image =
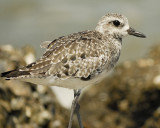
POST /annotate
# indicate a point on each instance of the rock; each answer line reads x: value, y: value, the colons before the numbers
x: 129, y: 98
x: 25, y: 105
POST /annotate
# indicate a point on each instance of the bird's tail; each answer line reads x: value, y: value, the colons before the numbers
x: 13, y: 74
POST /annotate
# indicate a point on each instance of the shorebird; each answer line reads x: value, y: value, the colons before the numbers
x: 78, y: 60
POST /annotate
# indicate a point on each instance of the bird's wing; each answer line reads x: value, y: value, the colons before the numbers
x: 77, y: 55
x: 45, y: 44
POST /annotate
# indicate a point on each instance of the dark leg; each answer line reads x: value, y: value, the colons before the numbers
x: 75, y: 109
x: 78, y: 115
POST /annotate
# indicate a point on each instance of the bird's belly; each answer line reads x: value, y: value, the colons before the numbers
x: 77, y: 83
x: 72, y: 82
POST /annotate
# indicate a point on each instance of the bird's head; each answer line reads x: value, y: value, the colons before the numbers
x: 116, y: 25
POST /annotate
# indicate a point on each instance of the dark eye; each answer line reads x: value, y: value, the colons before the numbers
x: 116, y: 23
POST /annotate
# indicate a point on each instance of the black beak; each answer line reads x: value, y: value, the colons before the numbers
x: 133, y: 32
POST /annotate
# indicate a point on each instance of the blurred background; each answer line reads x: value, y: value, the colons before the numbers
x: 30, y: 22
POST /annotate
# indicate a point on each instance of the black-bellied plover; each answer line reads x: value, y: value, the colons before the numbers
x: 78, y: 60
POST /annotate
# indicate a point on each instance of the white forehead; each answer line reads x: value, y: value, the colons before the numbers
x: 112, y: 17
x: 102, y: 27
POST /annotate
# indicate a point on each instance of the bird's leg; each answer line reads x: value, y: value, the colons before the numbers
x: 75, y: 109
x: 78, y: 115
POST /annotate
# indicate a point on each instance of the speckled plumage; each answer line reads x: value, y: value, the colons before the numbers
x: 79, y: 59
